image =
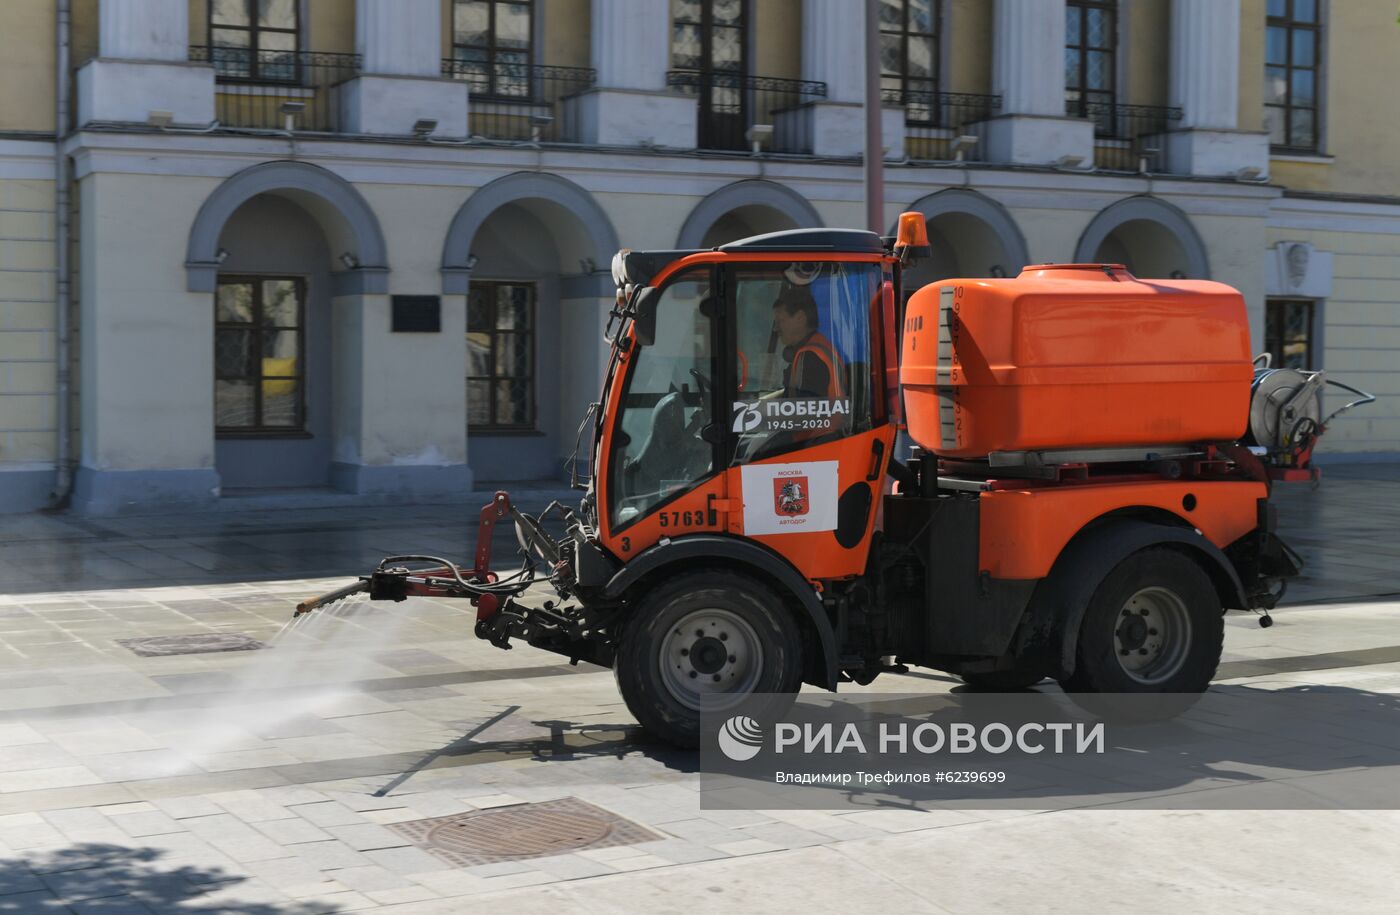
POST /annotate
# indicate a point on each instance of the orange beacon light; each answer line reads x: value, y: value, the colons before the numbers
x: 911, y: 238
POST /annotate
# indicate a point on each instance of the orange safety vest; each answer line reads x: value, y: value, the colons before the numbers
x: 819, y: 347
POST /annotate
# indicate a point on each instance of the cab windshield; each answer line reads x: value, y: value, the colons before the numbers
x: 657, y: 450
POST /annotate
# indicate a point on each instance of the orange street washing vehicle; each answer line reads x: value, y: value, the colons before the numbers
x: 1088, y: 494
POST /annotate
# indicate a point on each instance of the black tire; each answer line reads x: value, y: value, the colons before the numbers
x: 1123, y: 626
x: 1001, y: 681
x: 658, y: 699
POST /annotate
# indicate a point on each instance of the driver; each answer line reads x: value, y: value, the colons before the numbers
x: 813, y: 367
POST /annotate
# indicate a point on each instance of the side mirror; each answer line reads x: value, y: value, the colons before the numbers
x: 644, y: 314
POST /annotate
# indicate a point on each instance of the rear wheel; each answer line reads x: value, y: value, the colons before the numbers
x: 704, y: 641
x: 1154, y: 625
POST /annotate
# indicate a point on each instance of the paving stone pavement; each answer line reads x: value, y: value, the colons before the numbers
x: 266, y: 781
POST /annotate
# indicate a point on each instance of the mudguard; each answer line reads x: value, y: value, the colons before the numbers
x: 1051, y: 630
x: 743, y: 553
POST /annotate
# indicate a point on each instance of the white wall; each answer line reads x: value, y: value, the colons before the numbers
x: 413, y: 381
x: 147, y: 388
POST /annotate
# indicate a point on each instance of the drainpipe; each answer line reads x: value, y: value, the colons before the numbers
x: 63, y: 477
x: 874, y: 160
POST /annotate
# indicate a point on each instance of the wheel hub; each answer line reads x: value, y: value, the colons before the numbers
x: 708, y: 655
x: 1152, y: 635
x: 1133, y: 632
x: 710, y: 659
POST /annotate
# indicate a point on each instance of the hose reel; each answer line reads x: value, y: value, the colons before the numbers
x: 1285, y: 407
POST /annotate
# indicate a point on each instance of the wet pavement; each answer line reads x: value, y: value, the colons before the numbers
x: 64, y: 552
x: 269, y: 781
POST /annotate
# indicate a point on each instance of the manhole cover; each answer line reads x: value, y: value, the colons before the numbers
x: 522, y: 831
x: 202, y: 643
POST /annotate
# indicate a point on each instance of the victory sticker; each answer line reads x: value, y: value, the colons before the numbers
x: 786, y: 414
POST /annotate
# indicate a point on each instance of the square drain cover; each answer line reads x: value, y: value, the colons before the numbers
x: 201, y: 643
x: 522, y: 831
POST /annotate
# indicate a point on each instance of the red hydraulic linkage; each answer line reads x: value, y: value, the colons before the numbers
x: 398, y: 583
x: 498, y: 509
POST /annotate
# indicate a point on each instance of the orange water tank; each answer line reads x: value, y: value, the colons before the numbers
x: 1070, y: 356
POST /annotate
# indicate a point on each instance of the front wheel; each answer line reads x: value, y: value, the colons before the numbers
x: 704, y: 641
x: 1154, y: 625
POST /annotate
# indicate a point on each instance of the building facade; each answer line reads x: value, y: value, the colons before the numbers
x: 363, y: 245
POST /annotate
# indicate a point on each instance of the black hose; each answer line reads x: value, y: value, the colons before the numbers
x: 1365, y: 398
x: 507, y: 587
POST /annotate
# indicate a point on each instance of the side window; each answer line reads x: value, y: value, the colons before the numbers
x: 1288, y: 333
x: 710, y: 60
x: 259, y: 383
x: 500, y: 356
x: 491, y: 46
x: 802, y: 358
x: 1091, y: 40
x: 255, y: 39
x: 909, y: 57
x: 1292, y: 71
x: 668, y: 399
